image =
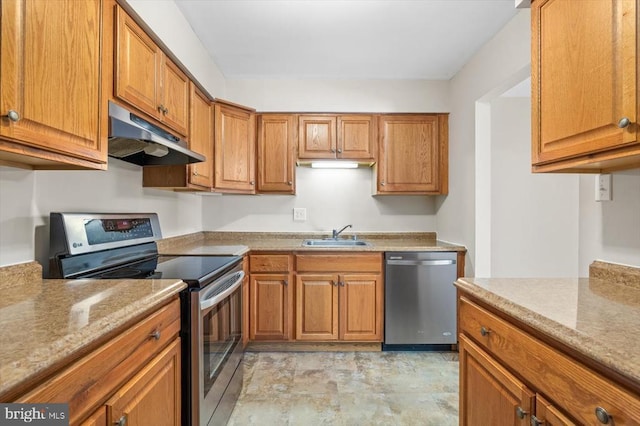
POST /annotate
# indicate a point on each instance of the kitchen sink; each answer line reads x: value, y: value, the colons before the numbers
x: 332, y: 242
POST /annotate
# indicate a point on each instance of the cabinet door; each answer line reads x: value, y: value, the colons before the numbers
x: 361, y: 307
x: 51, y: 75
x: 412, y: 154
x: 270, y: 305
x: 175, y: 97
x: 276, y: 153
x: 234, y: 149
x: 489, y: 394
x: 316, y: 307
x: 548, y: 415
x: 138, y: 65
x: 151, y: 397
x: 201, y: 138
x: 317, y: 136
x: 356, y: 137
x: 98, y: 418
x: 584, y: 65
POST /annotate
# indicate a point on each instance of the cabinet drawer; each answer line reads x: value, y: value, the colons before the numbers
x: 270, y: 263
x: 339, y: 263
x: 88, y: 382
x: 576, y: 389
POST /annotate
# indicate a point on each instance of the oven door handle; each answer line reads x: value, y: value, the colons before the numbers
x: 208, y: 300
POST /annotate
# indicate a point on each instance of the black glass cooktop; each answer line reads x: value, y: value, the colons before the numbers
x: 196, y: 271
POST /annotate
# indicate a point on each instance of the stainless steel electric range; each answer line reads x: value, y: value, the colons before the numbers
x: 112, y: 246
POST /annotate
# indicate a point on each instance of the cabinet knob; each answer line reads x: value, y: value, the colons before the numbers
x: 339, y: 151
x: 341, y: 283
x: 155, y: 335
x: 286, y: 282
x: 333, y: 150
x: 484, y: 331
x: 160, y: 108
x: 165, y: 111
x: 195, y: 173
x: 252, y: 183
x: 122, y: 421
x: 602, y: 415
x: 12, y: 115
x: 382, y: 183
x: 289, y: 183
x: 520, y: 412
x: 624, y: 122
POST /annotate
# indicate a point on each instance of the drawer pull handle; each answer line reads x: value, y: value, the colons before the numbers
x: 624, y: 122
x: 12, y: 115
x: 122, y: 421
x: 536, y: 421
x: 520, y: 412
x: 484, y: 331
x: 155, y: 335
x: 602, y: 415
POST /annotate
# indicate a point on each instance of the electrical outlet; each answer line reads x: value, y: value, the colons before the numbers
x: 299, y: 214
x: 603, y: 187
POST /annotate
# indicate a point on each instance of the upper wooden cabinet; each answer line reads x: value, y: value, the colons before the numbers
x: 413, y: 154
x: 235, y: 148
x: 195, y: 176
x: 50, y: 84
x: 147, y: 79
x: 326, y: 136
x: 276, y: 153
x: 584, y: 78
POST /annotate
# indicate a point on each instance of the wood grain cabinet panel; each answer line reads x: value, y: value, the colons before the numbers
x: 235, y: 150
x: 277, y: 138
x: 571, y: 389
x: 316, y: 307
x: 584, y: 70
x: 153, y: 396
x: 412, y: 154
x: 147, y: 79
x: 50, y: 84
x: 361, y: 307
x: 328, y: 136
x: 271, y: 299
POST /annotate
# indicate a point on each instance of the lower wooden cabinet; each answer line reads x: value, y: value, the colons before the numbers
x: 136, y: 374
x: 270, y: 297
x: 152, y: 397
x: 510, y: 377
x: 339, y: 297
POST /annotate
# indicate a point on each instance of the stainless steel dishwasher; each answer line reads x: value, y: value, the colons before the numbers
x: 420, y: 299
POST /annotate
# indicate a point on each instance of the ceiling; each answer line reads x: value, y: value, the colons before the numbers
x: 344, y: 39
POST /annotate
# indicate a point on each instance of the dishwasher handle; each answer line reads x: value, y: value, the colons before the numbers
x: 421, y: 262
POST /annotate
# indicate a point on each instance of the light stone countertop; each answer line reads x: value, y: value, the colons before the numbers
x: 598, y: 318
x: 233, y: 243
x: 45, y: 322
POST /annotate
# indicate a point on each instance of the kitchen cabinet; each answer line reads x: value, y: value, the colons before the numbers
x: 325, y: 136
x: 195, y: 176
x: 584, y: 78
x: 412, y: 154
x: 147, y: 79
x: 510, y: 376
x: 51, y: 103
x: 140, y: 366
x: 153, y: 395
x: 235, y: 148
x: 277, y: 140
x: 271, y: 297
x: 339, y: 297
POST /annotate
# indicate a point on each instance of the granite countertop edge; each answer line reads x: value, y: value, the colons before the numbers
x: 616, y: 360
x: 16, y: 373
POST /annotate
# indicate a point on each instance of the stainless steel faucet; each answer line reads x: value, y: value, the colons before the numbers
x: 335, y: 233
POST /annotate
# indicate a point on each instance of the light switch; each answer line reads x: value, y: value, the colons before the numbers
x: 603, y: 187
x: 299, y: 214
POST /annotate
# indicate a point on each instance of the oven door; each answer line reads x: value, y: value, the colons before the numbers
x: 217, y: 345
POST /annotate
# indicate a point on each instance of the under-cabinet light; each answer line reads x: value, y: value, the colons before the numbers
x: 334, y: 165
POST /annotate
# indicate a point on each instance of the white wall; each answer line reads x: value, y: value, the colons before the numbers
x: 493, y: 67
x: 17, y: 222
x: 534, y: 217
x: 610, y: 230
x: 333, y: 198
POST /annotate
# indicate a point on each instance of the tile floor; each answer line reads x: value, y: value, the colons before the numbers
x: 348, y: 388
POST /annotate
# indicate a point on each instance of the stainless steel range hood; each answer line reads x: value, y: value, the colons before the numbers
x: 137, y: 141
